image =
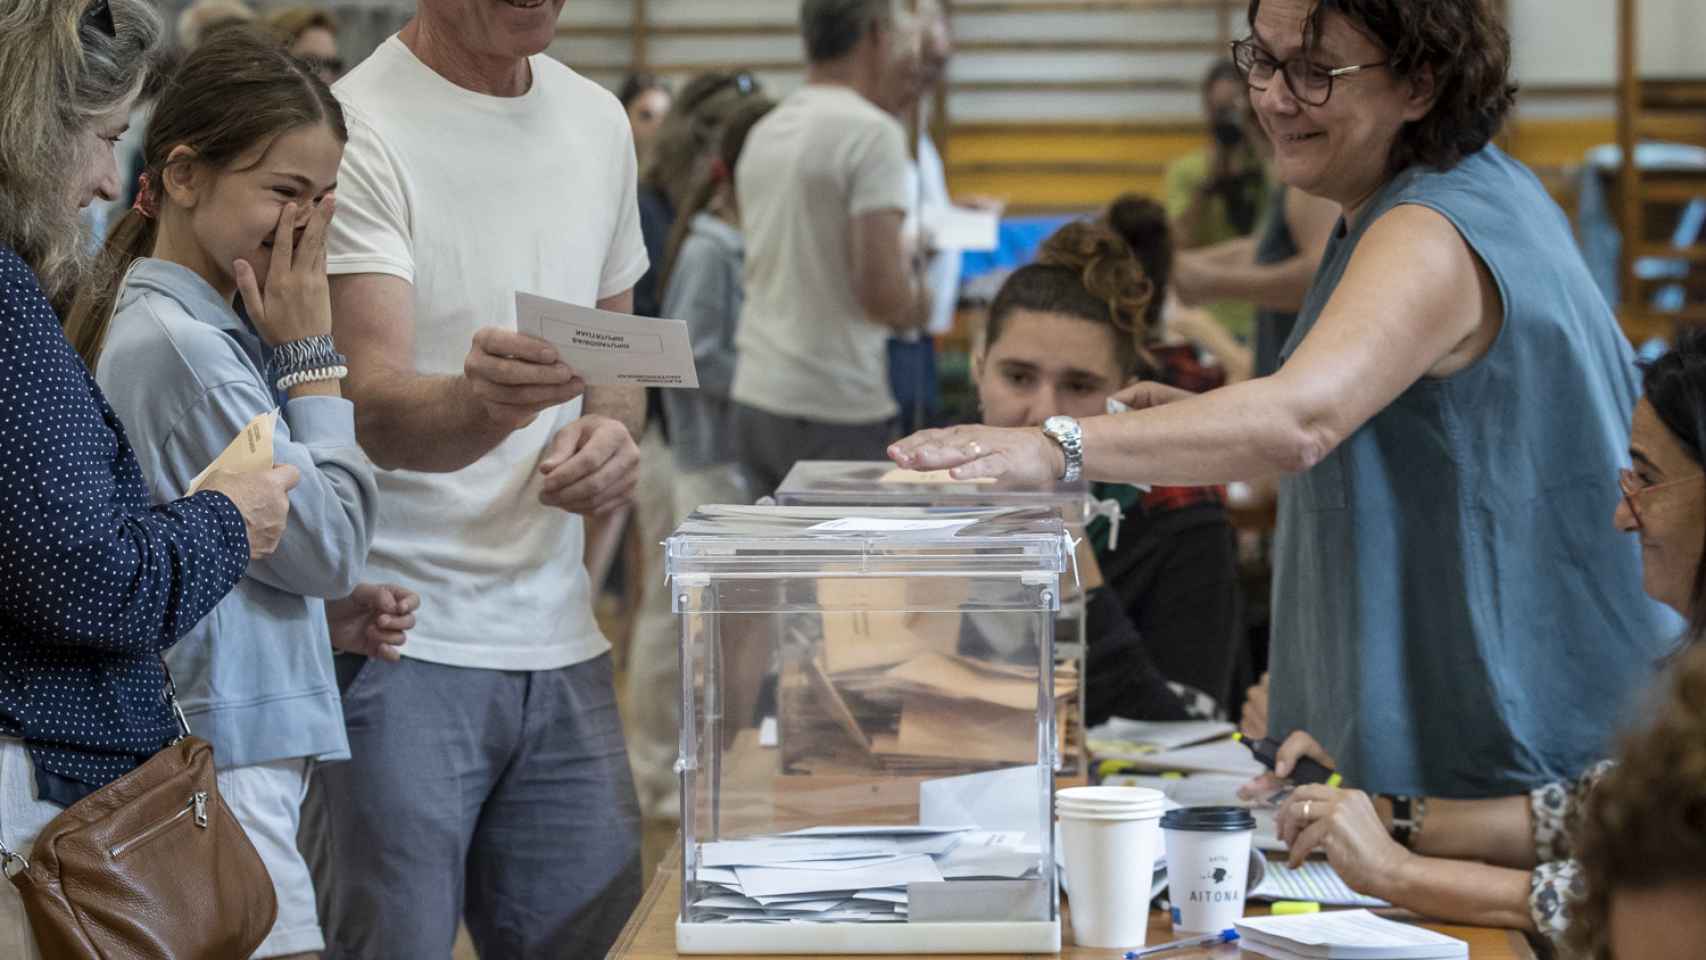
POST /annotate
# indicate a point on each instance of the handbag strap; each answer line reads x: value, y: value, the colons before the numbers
x: 172, y: 699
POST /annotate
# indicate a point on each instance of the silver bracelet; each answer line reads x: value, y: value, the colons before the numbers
x: 312, y: 376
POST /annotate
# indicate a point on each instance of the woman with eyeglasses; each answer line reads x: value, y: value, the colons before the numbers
x: 1413, y: 852
x: 1448, y: 419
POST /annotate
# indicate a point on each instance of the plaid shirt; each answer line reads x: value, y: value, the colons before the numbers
x: 1182, y: 368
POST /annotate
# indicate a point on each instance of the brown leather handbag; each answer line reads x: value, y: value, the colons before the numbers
x: 150, y: 866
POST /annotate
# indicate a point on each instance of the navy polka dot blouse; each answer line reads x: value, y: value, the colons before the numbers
x: 94, y: 583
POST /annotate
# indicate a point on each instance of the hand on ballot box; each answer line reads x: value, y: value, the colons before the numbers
x: 373, y: 621
x: 516, y: 377
x: 591, y: 467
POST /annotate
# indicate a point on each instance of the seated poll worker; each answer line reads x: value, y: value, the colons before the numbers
x: 1064, y: 333
x: 1643, y: 837
x: 1448, y: 419
x: 1421, y: 854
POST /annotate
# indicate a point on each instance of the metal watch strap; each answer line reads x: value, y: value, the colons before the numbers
x: 1065, y: 432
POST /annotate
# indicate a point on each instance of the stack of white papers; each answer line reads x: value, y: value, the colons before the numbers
x: 1316, y: 880
x: 1348, y: 935
x: 852, y: 874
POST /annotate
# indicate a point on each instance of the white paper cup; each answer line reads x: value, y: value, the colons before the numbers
x: 1208, y: 864
x: 1110, y: 863
x: 1109, y: 796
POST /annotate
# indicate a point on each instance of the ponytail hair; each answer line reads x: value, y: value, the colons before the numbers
x: 730, y: 145
x: 236, y: 91
x: 1087, y: 271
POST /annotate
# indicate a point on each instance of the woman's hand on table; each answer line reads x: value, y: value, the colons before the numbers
x: 1024, y: 455
x: 1345, y: 826
x: 1296, y: 747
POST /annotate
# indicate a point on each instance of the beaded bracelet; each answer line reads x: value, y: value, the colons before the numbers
x: 297, y: 356
x: 301, y: 377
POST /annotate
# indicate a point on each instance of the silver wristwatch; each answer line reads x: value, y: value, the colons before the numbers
x: 1065, y: 431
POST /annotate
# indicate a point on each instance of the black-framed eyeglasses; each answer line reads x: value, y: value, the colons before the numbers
x: 1309, y: 82
x: 99, y: 17
x: 1633, y: 490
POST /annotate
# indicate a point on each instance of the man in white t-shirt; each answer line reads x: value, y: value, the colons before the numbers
x: 823, y: 188
x: 489, y: 779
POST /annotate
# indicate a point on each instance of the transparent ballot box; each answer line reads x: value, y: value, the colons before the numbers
x: 870, y: 718
x: 857, y: 483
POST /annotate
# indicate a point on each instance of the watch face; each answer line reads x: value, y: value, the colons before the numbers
x: 1058, y: 424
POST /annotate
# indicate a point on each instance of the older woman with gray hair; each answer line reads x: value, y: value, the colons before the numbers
x: 94, y: 583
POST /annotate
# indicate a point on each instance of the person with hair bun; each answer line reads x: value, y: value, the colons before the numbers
x: 1447, y: 419
x: 1064, y: 335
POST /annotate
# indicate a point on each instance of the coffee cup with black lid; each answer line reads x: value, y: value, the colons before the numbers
x: 1208, y: 865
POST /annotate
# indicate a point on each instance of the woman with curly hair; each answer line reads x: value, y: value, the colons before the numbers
x: 1417, y: 853
x: 1452, y: 407
x: 1643, y: 843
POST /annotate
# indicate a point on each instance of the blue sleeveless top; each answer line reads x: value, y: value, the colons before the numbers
x: 1455, y: 614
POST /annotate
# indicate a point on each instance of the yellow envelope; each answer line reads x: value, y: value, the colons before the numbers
x: 250, y: 452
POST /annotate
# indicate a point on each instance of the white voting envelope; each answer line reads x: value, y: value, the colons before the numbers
x: 610, y: 349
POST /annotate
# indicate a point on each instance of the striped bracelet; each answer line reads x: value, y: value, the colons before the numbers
x: 312, y: 376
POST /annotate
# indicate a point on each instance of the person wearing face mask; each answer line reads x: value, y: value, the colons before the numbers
x: 1064, y: 334
x: 1447, y: 418
x: 1511, y: 861
x: 1218, y: 193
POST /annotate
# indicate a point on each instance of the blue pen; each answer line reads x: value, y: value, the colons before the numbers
x: 1209, y: 940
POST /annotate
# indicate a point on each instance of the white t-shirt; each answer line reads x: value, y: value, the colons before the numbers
x: 806, y: 348
x: 471, y: 198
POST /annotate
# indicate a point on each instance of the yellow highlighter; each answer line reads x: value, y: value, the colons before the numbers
x: 1291, y: 908
x: 1307, y: 770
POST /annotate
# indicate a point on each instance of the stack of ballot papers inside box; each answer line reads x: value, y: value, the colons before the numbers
x: 850, y: 874
x: 1346, y: 934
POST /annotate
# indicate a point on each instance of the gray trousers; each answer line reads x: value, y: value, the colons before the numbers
x: 501, y: 797
x: 768, y: 446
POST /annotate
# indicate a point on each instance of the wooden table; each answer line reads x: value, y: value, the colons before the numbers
x: 650, y: 933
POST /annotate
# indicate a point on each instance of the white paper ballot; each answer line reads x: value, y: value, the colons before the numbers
x: 771, y: 881
x: 963, y: 228
x: 610, y: 349
x: 1346, y: 934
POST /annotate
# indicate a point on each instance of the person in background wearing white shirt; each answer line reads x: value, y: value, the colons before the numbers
x: 912, y: 356
x: 489, y: 779
x: 824, y: 193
